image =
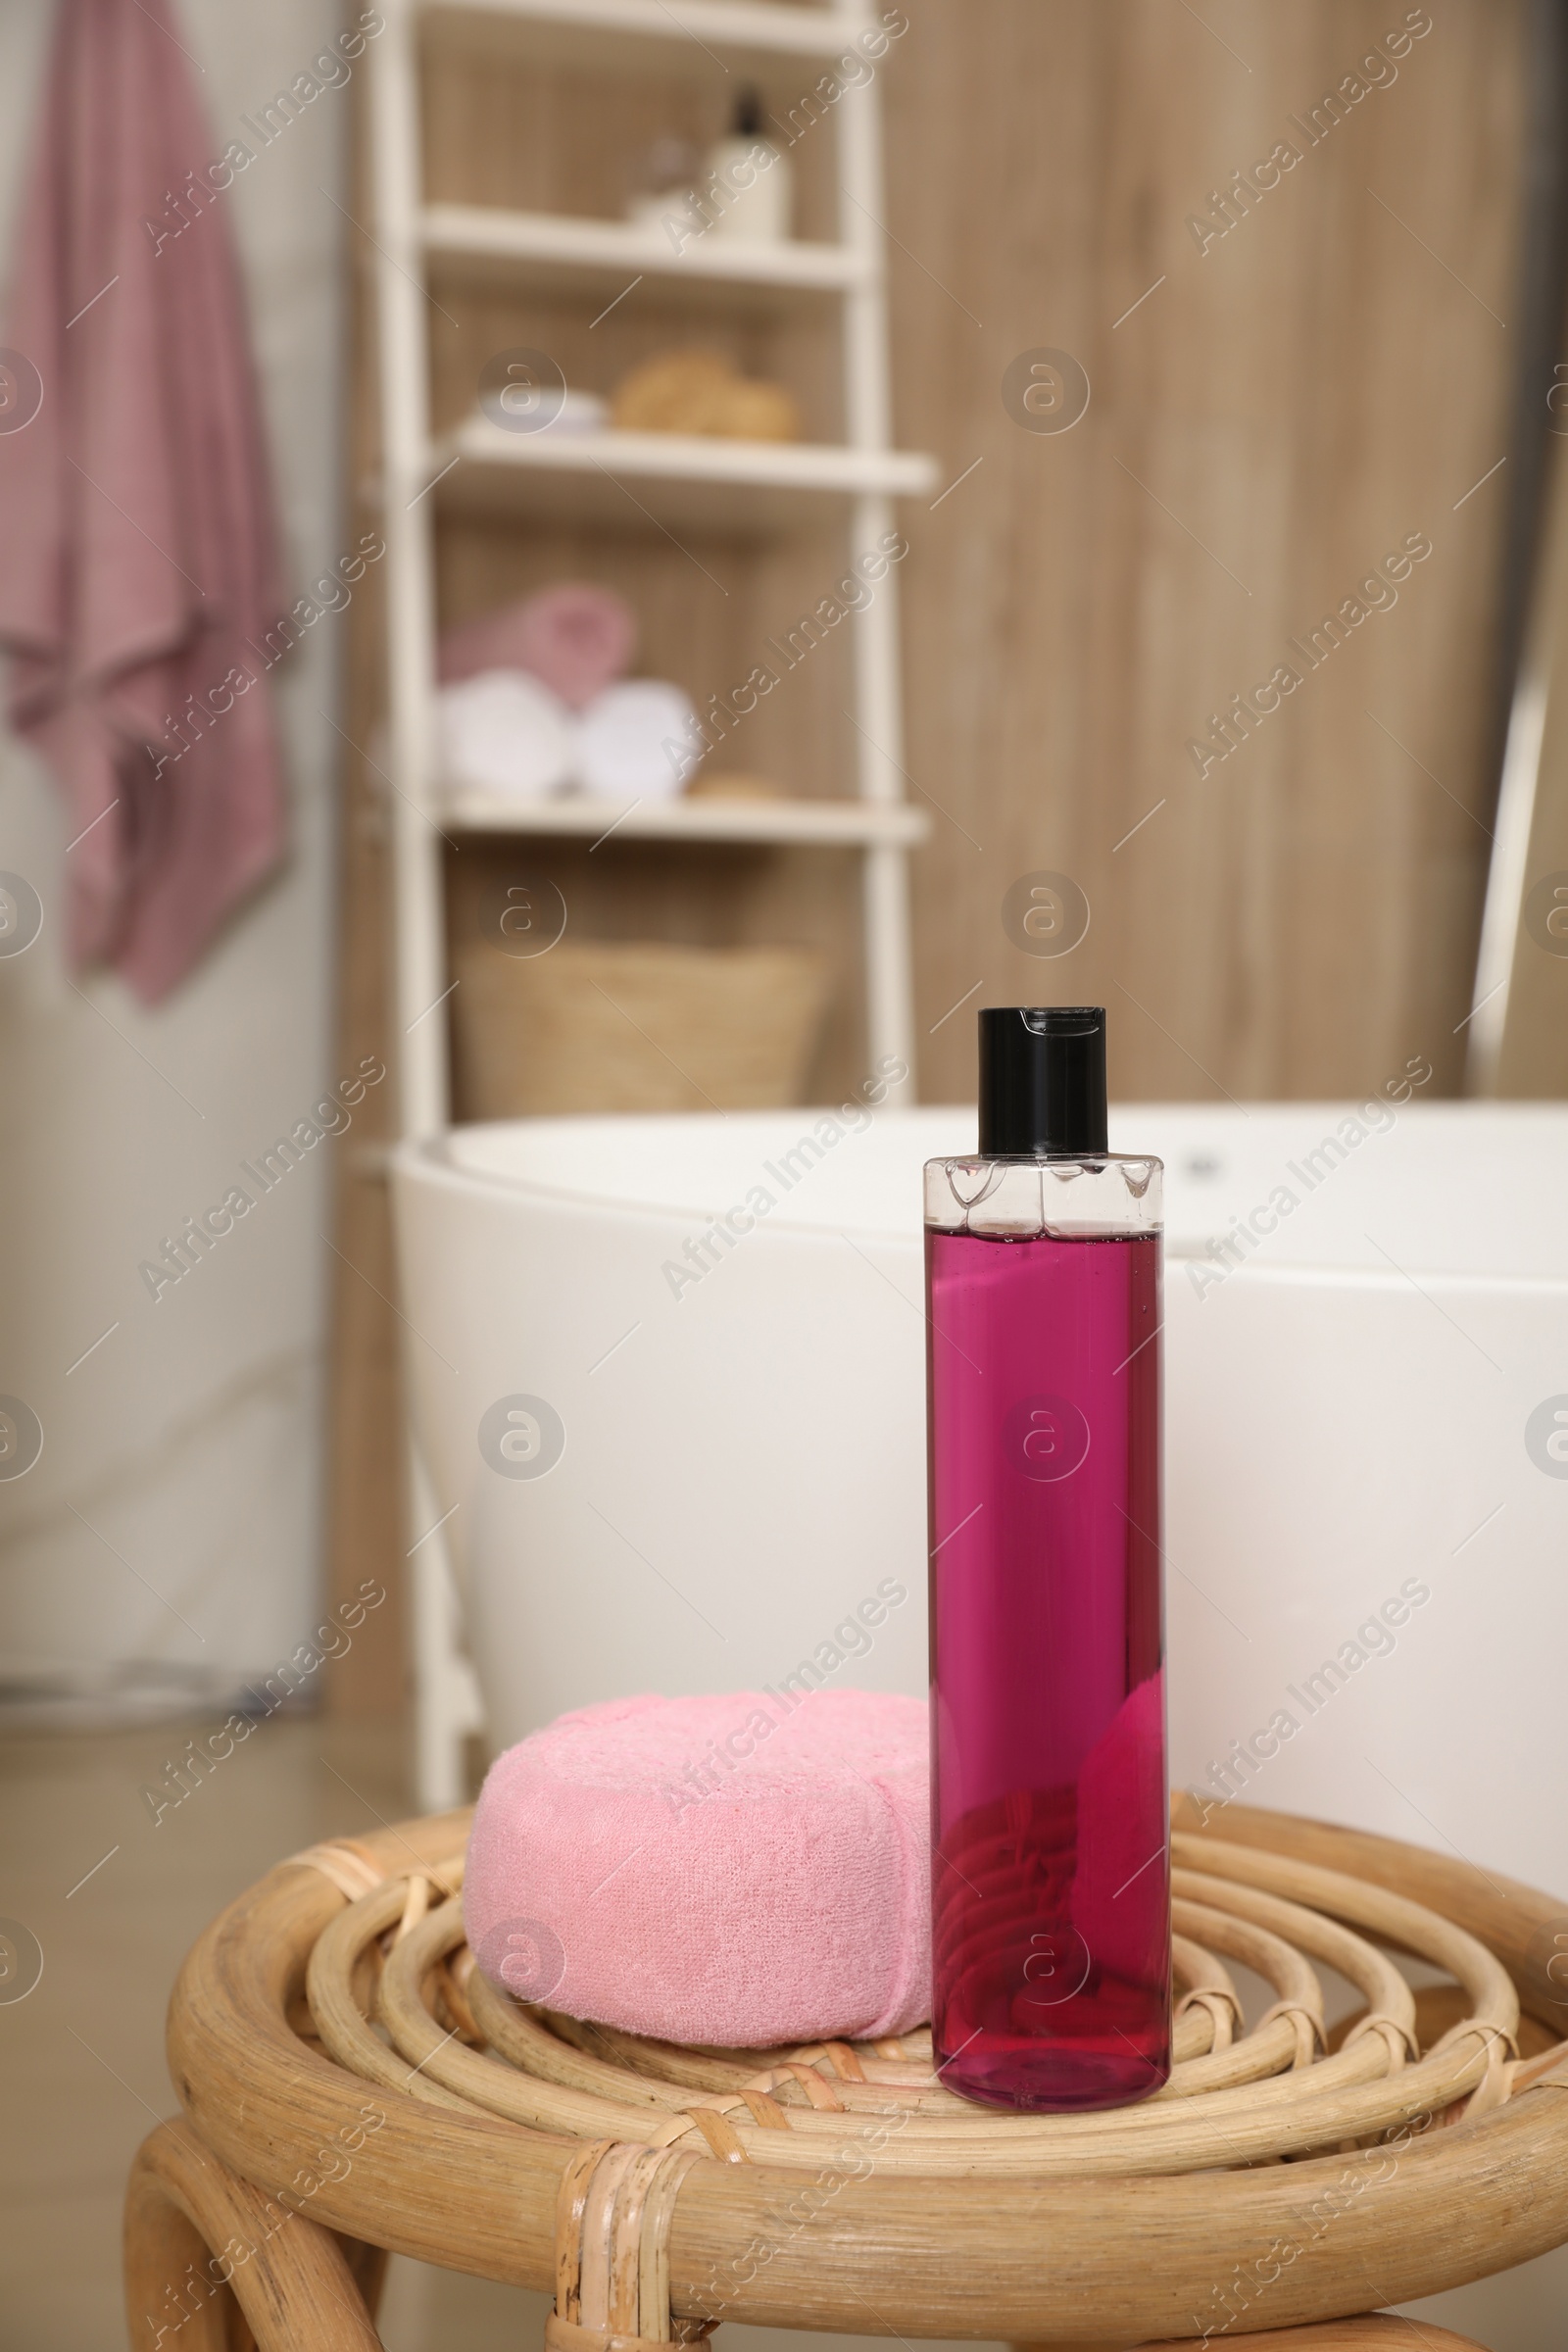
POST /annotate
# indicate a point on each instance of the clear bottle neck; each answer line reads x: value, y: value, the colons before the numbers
x: 1104, y: 1198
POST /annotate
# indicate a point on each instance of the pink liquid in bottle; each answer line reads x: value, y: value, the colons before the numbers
x: 1050, y: 1824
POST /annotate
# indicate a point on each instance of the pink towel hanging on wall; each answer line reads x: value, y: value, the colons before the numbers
x: 139, y: 561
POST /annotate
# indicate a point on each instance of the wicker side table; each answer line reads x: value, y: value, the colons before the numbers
x: 1287, y: 2180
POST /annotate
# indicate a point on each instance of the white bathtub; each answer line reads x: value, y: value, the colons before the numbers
x: 743, y: 1461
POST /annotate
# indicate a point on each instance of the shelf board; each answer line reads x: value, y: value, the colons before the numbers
x: 698, y: 36
x: 583, y: 257
x: 635, y: 481
x: 798, y: 823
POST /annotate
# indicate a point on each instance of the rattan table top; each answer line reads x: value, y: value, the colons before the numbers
x: 334, y: 2042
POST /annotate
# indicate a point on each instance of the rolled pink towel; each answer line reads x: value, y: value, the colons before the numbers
x: 744, y: 1870
x: 578, y: 639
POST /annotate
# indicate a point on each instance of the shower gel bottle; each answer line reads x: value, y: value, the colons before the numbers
x: 1051, y: 1882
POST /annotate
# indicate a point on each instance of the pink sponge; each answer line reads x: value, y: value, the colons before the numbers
x: 742, y: 1870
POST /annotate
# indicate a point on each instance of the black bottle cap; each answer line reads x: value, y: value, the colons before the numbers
x: 1042, y: 1080
x: 748, y: 112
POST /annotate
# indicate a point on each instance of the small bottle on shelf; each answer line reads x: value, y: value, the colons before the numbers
x: 748, y: 189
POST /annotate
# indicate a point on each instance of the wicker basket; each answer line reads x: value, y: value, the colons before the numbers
x: 602, y: 1025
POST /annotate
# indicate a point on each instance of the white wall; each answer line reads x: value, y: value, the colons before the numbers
x: 191, y: 1438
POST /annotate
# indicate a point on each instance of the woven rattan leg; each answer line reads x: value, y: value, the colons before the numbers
x: 214, y: 2266
x: 613, y: 2218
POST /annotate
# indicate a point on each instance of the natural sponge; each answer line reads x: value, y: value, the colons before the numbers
x: 742, y: 1870
x: 701, y: 392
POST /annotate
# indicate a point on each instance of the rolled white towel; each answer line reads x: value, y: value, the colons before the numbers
x: 635, y: 740
x: 503, y: 733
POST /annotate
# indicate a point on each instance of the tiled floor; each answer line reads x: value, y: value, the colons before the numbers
x: 115, y: 1902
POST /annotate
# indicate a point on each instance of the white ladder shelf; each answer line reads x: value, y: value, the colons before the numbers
x: 765, y: 485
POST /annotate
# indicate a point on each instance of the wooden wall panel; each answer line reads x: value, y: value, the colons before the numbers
x: 1268, y: 421
x: 1282, y: 410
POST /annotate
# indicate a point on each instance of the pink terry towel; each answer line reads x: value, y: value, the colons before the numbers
x: 576, y: 639
x: 745, y: 1870
x: 140, y: 570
